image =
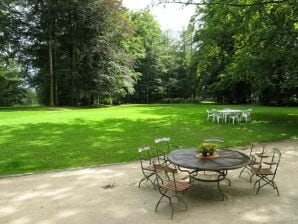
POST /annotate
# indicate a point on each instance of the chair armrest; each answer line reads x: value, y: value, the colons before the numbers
x: 176, y: 146
x: 262, y: 155
x: 268, y: 163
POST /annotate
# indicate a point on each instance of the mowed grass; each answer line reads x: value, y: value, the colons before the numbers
x: 39, y: 139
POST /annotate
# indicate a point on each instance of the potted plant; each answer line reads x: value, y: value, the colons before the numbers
x: 206, y: 148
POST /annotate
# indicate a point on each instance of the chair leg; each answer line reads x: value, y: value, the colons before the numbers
x: 218, y: 186
x: 171, y: 208
x: 260, y: 186
x: 248, y: 171
x: 144, y: 178
x: 250, y: 177
x: 147, y: 178
x: 272, y: 183
x: 242, y: 171
x: 180, y: 199
x: 257, y: 181
x: 158, y: 203
x: 276, y: 188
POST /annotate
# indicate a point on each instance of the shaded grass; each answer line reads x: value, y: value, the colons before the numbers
x: 38, y: 139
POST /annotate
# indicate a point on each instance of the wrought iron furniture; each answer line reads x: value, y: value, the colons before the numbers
x: 146, y: 165
x: 266, y: 171
x: 227, y: 160
x: 170, y: 184
x: 214, y: 139
x: 257, y: 150
x: 163, y: 147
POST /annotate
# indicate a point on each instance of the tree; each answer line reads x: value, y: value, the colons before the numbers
x: 246, y: 54
x: 11, y: 90
x: 75, y: 49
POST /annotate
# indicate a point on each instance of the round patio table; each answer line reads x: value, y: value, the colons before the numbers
x: 226, y: 160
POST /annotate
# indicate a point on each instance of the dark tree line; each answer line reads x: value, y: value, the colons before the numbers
x: 248, y: 54
x: 73, y: 51
x: 95, y: 51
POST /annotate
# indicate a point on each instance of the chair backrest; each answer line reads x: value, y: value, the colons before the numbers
x: 216, y: 112
x: 246, y: 112
x: 276, y: 155
x: 162, y: 147
x: 167, y: 170
x: 214, y: 139
x: 257, y: 147
x: 257, y: 150
x: 164, y: 139
x: 144, y: 155
x: 209, y: 112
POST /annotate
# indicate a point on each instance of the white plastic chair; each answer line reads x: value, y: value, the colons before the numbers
x: 226, y: 114
x: 246, y: 115
x: 210, y: 115
x: 235, y: 116
x: 218, y: 116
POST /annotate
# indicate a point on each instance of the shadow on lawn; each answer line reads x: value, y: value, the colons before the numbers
x: 45, y: 146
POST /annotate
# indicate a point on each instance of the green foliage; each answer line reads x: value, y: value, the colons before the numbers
x: 95, y: 51
x: 207, y: 148
x: 11, y: 91
x: 160, y: 65
x: 74, y: 50
x: 37, y: 139
x: 247, y: 54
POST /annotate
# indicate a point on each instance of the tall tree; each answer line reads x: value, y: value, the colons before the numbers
x: 246, y: 54
x: 74, y: 49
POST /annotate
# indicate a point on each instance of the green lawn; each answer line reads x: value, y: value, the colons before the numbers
x: 38, y: 139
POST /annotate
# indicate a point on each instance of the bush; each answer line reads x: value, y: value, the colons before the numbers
x: 180, y: 100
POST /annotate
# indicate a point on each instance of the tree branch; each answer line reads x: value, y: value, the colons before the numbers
x: 210, y: 2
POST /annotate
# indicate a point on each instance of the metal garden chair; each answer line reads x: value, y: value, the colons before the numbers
x: 214, y: 140
x: 256, y: 154
x: 146, y: 165
x: 169, y: 187
x: 266, y: 171
x: 163, y: 147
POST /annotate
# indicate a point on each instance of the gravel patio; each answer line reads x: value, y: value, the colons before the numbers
x: 110, y: 194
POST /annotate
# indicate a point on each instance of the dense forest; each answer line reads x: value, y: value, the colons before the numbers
x: 93, y: 52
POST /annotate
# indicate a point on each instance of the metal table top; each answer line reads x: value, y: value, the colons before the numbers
x: 227, y: 160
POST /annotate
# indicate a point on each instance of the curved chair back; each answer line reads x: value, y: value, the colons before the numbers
x: 214, y: 139
x: 162, y: 147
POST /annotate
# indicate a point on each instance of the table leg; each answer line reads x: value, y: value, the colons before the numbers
x: 221, y: 176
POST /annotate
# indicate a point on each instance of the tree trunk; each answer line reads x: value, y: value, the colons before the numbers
x: 73, y: 53
x: 50, y: 49
x: 56, y: 97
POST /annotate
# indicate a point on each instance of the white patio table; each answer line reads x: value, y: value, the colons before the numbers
x: 226, y: 112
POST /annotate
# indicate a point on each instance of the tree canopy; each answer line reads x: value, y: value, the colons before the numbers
x: 95, y: 51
